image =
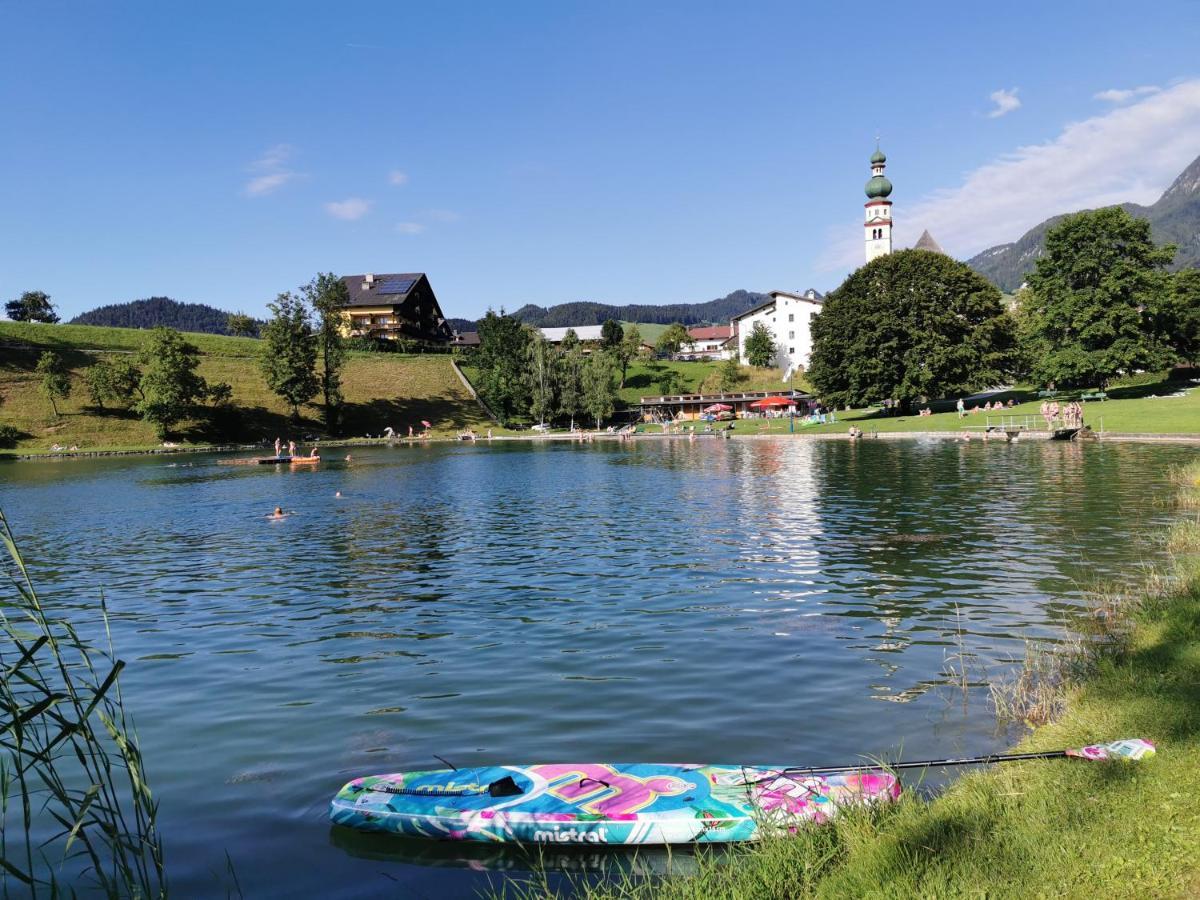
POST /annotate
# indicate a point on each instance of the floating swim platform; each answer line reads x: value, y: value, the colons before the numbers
x: 603, y: 803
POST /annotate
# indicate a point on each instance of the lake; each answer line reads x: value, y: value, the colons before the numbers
x: 746, y: 601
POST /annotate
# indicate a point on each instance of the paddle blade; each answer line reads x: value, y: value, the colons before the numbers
x: 1130, y: 748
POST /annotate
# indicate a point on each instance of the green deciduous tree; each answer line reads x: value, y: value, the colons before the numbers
x: 760, y: 346
x: 55, y: 378
x: 611, y: 334
x: 289, y: 359
x: 908, y: 325
x: 628, y: 349
x: 240, y: 324
x: 503, y: 383
x: 1182, y: 315
x: 113, y: 381
x: 731, y: 374
x: 31, y: 306
x: 170, y: 386
x: 571, y: 364
x: 329, y: 298
x: 541, y: 360
x: 671, y: 340
x: 1096, y: 301
x: 599, y: 389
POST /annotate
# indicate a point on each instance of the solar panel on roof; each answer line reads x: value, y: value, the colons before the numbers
x: 396, y: 286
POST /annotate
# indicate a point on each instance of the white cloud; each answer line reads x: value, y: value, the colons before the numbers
x: 1006, y: 102
x: 349, y: 209
x: 265, y: 184
x: 1117, y: 95
x: 397, y: 177
x: 410, y: 227
x: 1131, y: 153
x: 273, y: 166
x: 274, y: 158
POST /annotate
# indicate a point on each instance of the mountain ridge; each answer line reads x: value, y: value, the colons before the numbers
x: 1174, y: 219
x: 154, y: 311
x: 566, y: 315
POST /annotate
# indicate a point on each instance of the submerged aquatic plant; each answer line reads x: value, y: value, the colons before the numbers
x: 75, y: 808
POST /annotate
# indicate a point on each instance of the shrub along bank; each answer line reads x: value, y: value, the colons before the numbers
x: 1036, y: 829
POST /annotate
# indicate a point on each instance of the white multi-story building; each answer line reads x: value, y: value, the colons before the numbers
x: 788, y: 317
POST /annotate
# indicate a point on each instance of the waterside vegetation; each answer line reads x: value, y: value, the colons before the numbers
x: 76, y: 809
x: 1035, y: 829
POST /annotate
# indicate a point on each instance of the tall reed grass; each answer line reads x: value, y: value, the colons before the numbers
x: 76, y: 812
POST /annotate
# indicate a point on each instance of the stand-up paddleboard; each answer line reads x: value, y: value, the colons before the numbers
x: 602, y: 803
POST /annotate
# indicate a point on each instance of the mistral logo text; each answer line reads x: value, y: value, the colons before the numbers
x: 571, y: 836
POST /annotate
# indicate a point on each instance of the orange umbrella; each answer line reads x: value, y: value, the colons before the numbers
x: 767, y: 402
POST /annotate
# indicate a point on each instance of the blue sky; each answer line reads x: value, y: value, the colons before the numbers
x: 517, y: 152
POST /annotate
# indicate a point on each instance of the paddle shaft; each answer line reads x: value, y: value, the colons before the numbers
x: 929, y: 763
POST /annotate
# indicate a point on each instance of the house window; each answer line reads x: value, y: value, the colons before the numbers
x: 791, y: 317
x: 791, y: 335
x: 791, y: 351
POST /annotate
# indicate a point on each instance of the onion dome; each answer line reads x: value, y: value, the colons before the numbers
x: 878, y: 187
x: 877, y: 158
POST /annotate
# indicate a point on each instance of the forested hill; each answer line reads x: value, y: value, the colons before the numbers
x: 565, y: 315
x: 156, y: 311
x: 1174, y: 219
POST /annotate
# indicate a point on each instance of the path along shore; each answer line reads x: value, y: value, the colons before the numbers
x: 960, y: 436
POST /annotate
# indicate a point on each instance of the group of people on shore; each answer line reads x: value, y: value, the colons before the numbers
x: 997, y: 406
x: 1070, y: 414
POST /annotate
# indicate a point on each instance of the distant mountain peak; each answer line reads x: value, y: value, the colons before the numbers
x: 1186, y: 185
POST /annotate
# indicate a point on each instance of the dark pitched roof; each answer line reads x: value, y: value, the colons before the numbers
x: 411, y: 298
x: 374, y: 295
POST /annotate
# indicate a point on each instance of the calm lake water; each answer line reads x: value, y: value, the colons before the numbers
x: 764, y: 601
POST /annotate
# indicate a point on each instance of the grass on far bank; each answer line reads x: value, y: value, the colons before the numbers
x: 1154, y: 406
x: 381, y: 389
x: 101, y: 337
x: 1058, y: 828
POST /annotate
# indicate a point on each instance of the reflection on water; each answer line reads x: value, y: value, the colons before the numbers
x: 767, y: 601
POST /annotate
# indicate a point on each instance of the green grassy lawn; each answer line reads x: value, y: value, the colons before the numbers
x: 381, y: 389
x: 96, y: 337
x: 650, y: 331
x: 1148, y: 408
x: 644, y: 377
x: 1058, y: 828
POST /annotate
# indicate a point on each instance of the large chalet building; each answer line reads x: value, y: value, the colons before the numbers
x: 394, y: 306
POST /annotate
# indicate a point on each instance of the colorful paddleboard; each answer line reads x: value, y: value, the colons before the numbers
x: 598, y: 803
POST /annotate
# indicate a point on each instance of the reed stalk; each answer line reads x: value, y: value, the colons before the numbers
x: 76, y: 811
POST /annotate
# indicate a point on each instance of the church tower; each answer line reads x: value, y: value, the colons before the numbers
x: 879, y: 209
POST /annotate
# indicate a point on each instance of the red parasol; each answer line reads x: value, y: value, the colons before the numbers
x: 718, y: 407
x: 426, y: 424
x: 767, y: 402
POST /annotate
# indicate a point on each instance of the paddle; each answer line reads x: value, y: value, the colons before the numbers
x: 1129, y: 748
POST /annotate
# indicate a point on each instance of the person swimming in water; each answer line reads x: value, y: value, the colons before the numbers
x: 278, y: 514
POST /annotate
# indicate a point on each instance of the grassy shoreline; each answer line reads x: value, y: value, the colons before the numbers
x: 1046, y: 829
